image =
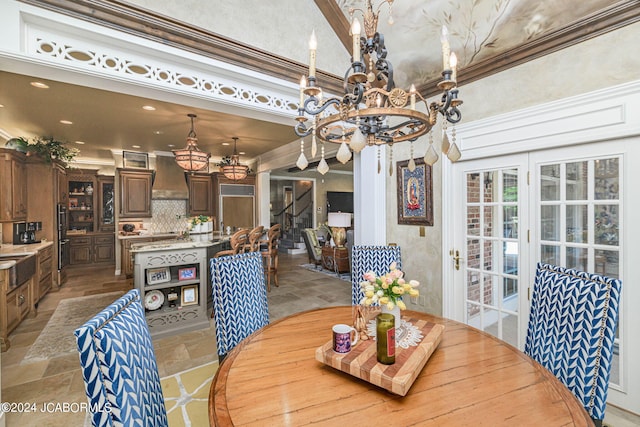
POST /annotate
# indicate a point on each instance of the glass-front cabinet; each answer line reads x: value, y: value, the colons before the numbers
x: 106, y: 194
x: 81, y: 203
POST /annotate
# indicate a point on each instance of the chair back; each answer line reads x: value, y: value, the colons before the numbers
x: 119, y: 366
x: 273, y: 237
x: 370, y: 258
x: 239, y: 298
x: 253, y: 239
x: 572, y: 326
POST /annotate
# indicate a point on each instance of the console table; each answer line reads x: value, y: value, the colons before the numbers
x: 336, y: 259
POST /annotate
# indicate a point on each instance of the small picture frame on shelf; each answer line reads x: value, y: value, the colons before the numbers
x: 189, y: 295
x: 158, y: 275
x: 133, y: 159
x: 188, y: 273
x: 73, y: 203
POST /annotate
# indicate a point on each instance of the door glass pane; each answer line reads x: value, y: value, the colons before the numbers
x: 577, y: 258
x: 473, y: 286
x: 606, y: 179
x: 489, y: 180
x: 577, y: 223
x: 473, y: 220
x: 510, y: 222
x: 510, y: 287
x: 510, y: 329
x: 550, y: 182
x: 606, y: 225
x: 510, y: 185
x: 550, y: 222
x: 491, y: 254
x: 490, y: 290
x: 492, y: 322
x: 489, y: 219
x: 606, y: 263
x: 473, y: 187
x: 473, y: 253
x: 510, y: 262
x: 550, y: 254
x: 577, y: 181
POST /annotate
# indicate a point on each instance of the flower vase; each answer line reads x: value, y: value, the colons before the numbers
x: 208, y: 227
x: 395, y: 311
x: 197, y: 229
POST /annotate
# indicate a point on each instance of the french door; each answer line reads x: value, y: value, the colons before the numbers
x: 571, y: 207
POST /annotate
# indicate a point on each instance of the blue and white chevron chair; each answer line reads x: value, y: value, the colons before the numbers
x: 119, y: 366
x: 572, y: 327
x: 370, y: 258
x: 239, y: 298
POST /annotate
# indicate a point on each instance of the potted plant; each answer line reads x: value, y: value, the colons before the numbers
x: 46, y: 147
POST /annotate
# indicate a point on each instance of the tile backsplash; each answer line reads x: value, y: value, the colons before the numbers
x: 168, y: 215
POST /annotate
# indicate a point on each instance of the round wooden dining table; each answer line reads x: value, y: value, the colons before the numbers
x: 472, y: 378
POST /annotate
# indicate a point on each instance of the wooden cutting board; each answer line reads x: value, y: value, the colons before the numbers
x: 361, y: 361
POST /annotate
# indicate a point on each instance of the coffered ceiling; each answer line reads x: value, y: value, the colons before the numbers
x: 487, y: 36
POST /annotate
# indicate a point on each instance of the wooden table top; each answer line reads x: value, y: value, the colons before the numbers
x: 473, y: 378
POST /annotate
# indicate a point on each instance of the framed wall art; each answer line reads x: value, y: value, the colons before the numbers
x: 188, y: 273
x: 158, y: 275
x: 415, y: 193
x: 189, y: 295
x: 132, y: 159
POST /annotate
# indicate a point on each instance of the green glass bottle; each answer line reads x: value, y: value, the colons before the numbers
x: 386, y: 338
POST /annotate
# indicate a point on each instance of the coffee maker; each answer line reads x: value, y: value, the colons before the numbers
x: 24, y: 233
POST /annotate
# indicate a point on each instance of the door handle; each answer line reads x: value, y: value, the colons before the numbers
x: 456, y: 258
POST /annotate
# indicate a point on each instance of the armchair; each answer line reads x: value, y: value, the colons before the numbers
x: 314, y: 250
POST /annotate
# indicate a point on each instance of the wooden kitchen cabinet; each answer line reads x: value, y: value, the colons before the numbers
x: 106, y: 203
x: 125, y: 255
x: 92, y: 249
x: 135, y: 193
x: 44, y: 274
x: 200, y: 195
x: 15, y: 304
x: 13, y: 186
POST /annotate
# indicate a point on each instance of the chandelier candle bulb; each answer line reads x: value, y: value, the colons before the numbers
x: 303, y: 84
x: 355, y: 30
x: 313, y: 45
x: 453, y: 63
x: 444, y: 39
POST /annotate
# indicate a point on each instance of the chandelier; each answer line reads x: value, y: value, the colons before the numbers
x: 191, y: 158
x: 234, y: 170
x: 372, y: 110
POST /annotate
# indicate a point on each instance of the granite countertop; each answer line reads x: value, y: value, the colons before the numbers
x: 198, y: 241
x: 147, y: 235
x: 8, y: 250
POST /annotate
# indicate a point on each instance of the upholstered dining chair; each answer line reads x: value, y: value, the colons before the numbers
x: 269, y: 251
x: 571, y: 331
x: 370, y: 258
x: 239, y: 298
x: 119, y: 366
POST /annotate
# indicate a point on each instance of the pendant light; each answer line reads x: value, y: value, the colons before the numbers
x: 235, y: 170
x: 191, y: 158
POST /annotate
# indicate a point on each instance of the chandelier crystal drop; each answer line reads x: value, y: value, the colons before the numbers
x: 372, y: 111
x: 191, y: 158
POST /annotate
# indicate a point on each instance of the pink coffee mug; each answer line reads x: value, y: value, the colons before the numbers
x: 342, y: 338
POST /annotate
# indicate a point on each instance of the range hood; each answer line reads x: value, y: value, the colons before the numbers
x: 170, y: 182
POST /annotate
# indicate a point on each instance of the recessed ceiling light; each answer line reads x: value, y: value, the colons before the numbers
x: 1, y: 106
x: 158, y: 132
x: 39, y: 85
x: 135, y: 146
x: 171, y: 145
x: 226, y: 143
x: 242, y: 153
x: 80, y: 142
x: 66, y: 122
x: 149, y: 107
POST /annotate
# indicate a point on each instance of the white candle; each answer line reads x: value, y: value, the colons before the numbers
x: 313, y: 45
x: 303, y: 84
x: 412, y: 91
x: 444, y: 39
x: 355, y: 31
x: 453, y: 62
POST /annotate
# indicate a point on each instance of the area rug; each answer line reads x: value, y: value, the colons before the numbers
x: 186, y: 396
x: 312, y: 267
x: 57, y: 339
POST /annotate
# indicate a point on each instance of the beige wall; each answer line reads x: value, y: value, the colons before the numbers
x: 595, y: 64
x: 283, y: 30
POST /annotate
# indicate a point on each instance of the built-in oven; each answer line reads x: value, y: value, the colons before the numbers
x: 63, y: 242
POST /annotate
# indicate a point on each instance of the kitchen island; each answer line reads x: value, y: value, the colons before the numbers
x: 173, y: 279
